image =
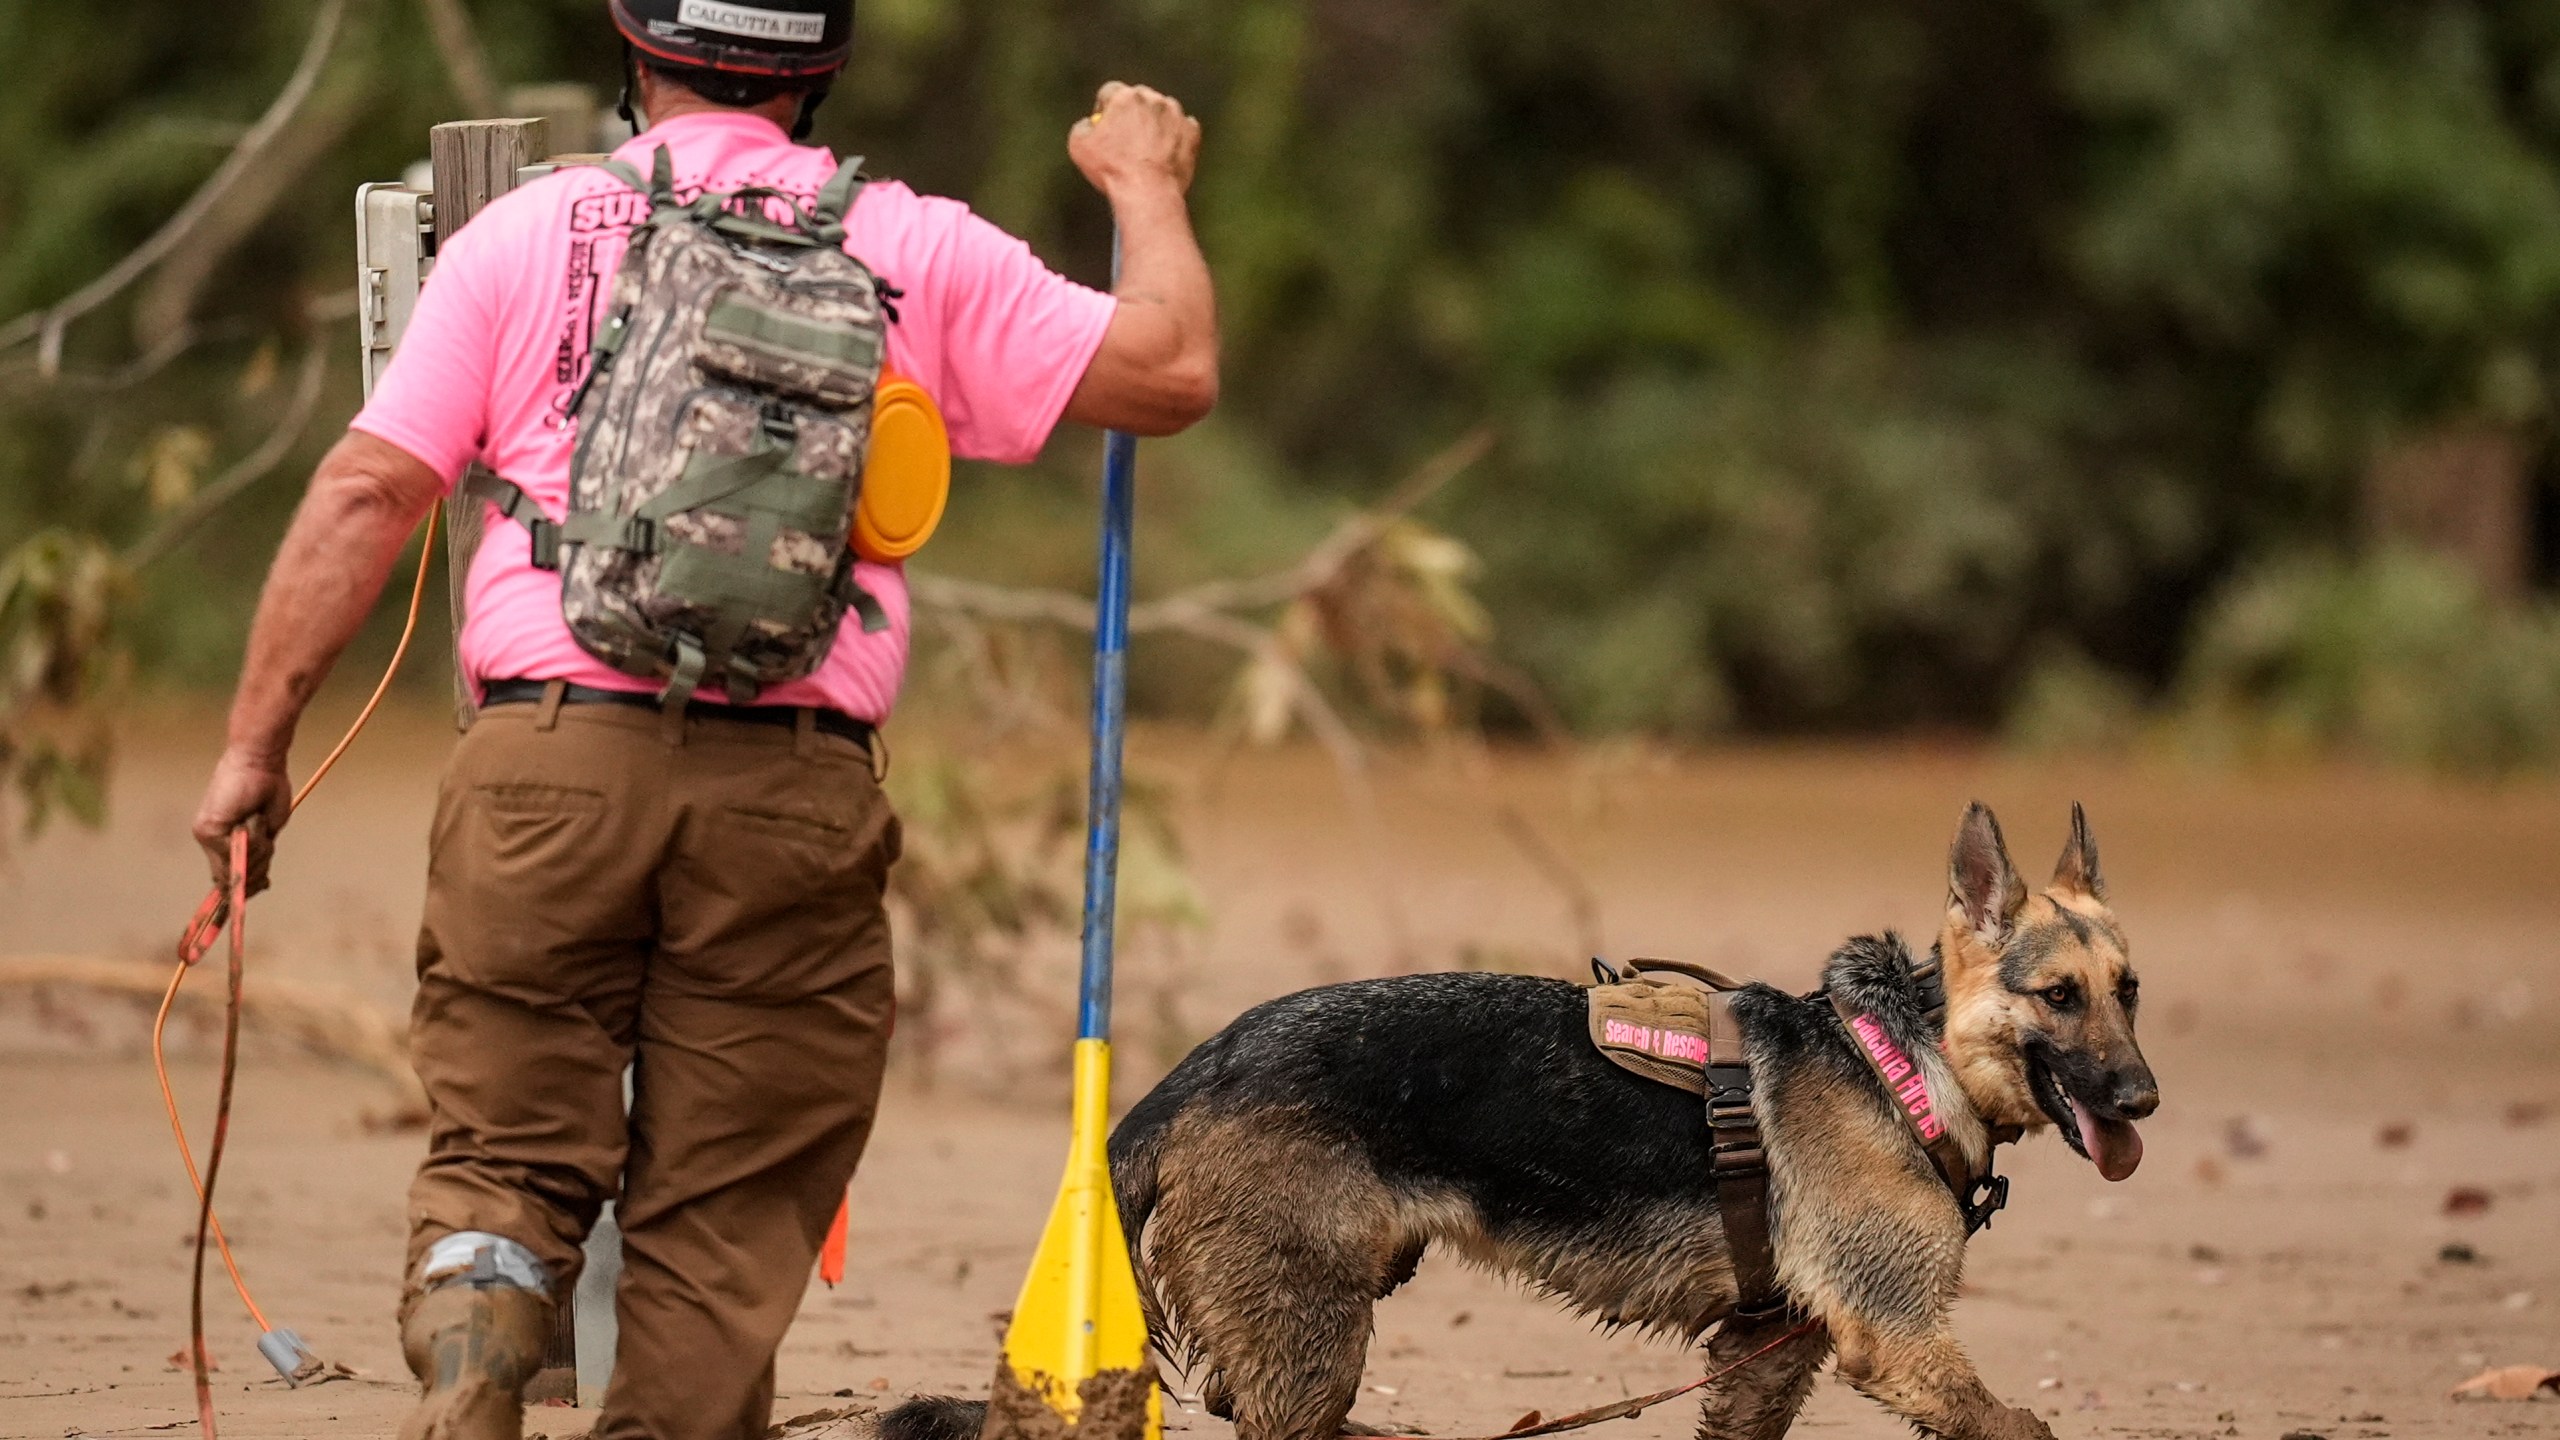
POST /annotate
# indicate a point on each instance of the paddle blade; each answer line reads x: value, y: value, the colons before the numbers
x: 1075, y: 1355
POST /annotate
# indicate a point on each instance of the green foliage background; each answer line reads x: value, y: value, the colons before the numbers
x: 1859, y: 364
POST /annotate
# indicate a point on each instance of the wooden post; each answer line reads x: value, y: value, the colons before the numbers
x: 475, y: 162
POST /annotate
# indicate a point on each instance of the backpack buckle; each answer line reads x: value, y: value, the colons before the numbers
x: 546, y: 544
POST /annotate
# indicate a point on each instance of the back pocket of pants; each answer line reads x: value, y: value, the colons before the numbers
x: 535, y: 824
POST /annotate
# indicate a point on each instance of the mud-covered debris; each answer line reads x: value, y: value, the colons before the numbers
x: 2466, y: 1200
x: 315, y: 1371
x: 2395, y: 1135
x: 2454, y: 1252
x: 802, y: 1425
x: 2508, y: 1382
x: 1114, y: 1407
x: 2305, y: 1435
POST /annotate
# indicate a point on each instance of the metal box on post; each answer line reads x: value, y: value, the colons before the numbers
x: 395, y: 248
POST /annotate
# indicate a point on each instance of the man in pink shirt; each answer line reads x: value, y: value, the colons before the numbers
x: 698, y: 898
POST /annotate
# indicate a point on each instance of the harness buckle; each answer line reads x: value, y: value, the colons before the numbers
x: 1984, y: 1198
x: 545, y: 537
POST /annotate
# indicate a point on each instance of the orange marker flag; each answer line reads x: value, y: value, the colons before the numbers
x: 831, y: 1254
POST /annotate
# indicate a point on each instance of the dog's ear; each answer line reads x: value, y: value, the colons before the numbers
x: 2076, y: 872
x: 1981, y: 882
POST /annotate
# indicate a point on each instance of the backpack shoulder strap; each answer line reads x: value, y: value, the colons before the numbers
x: 516, y: 505
x: 835, y: 199
x: 660, y: 187
x: 623, y: 173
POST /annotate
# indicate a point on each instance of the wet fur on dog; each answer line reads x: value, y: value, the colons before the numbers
x: 1295, y: 1168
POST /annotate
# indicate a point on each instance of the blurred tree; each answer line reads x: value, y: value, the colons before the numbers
x: 1848, y: 355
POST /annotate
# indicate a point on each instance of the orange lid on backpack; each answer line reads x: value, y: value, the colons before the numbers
x: 906, y: 476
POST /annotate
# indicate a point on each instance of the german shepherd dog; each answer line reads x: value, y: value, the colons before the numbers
x: 1292, y: 1170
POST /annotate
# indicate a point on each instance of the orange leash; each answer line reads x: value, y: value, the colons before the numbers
x: 1621, y: 1409
x: 221, y: 1130
x: 227, y: 905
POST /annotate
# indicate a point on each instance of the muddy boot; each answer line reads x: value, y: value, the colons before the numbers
x: 474, y: 1336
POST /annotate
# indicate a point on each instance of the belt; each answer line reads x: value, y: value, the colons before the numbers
x: 827, y: 722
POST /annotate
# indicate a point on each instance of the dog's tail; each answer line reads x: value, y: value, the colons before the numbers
x: 935, y: 1417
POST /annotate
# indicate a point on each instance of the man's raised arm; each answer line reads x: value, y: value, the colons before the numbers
x: 1157, y: 370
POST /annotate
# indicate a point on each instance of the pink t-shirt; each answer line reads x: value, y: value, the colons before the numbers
x: 499, y: 341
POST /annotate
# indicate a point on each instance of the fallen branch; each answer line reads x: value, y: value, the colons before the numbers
x: 1199, y: 610
x: 167, y: 301
x: 1319, y: 566
x: 466, y: 61
x: 50, y: 323
x: 248, y: 470
x: 1210, y: 612
x: 331, y: 1022
x: 331, y: 308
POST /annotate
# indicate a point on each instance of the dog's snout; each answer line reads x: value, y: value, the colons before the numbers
x: 2136, y: 1094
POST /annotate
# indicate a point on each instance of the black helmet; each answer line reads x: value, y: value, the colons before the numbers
x: 786, y: 39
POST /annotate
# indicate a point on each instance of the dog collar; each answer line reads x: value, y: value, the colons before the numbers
x: 1978, y: 1196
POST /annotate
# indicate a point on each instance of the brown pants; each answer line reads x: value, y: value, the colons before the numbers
x: 709, y: 910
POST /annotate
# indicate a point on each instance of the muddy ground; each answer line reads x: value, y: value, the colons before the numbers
x: 2352, y: 999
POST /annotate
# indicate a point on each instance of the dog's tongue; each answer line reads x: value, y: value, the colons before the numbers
x: 2114, y: 1145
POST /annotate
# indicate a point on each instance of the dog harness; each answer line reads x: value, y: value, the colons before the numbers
x: 1686, y: 1035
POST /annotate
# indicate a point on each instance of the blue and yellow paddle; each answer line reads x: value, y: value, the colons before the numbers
x: 1075, y: 1354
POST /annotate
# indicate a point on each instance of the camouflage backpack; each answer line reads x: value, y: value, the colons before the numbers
x: 721, y: 432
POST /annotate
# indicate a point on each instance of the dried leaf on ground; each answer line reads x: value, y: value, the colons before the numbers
x: 2508, y: 1382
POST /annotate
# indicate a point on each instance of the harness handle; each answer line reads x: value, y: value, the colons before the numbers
x: 1706, y: 975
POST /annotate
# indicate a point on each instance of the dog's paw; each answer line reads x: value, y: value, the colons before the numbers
x: 2020, y: 1424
